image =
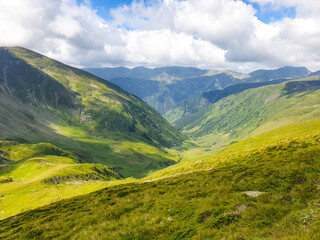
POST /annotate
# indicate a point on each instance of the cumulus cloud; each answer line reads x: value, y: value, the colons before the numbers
x: 202, y: 33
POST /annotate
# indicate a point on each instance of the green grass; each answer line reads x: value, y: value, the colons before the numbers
x: 252, y: 112
x: 47, y: 101
x: 103, y: 106
x: 34, y: 175
x: 207, y: 204
x: 265, y: 139
x: 198, y: 159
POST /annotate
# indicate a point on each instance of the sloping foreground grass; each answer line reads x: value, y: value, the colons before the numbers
x: 34, y: 175
x: 199, y: 159
x: 210, y: 204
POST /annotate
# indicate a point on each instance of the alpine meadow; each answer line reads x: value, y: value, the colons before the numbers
x: 159, y: 119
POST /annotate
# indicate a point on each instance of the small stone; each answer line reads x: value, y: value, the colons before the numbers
x: 253, y: 193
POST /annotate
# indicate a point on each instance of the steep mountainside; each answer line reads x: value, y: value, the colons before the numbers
x: 42, y: 100
x: 163, y: 96
x: 192, y: 105
x: 251, y: 111
x: 163, y: 88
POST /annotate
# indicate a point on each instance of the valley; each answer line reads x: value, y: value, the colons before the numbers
x: 219, y: 201
x: 81, y: 158
x: 164, y: 88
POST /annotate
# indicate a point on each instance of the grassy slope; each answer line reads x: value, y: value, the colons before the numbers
x: 199, y: 160
x: 105, y: 103
x: 81, y: 113
x: 252, y: 112
x: 207, y: 204
x: 34, y: 175
x: 192, y: 105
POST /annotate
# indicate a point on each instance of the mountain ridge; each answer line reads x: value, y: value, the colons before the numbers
x: 163, y: 88
x: 89, y: 109
x: 249, y: 112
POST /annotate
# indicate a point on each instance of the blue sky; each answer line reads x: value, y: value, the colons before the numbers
x: 103, y: 6
x: 269, y: 13
x: 266, y: 13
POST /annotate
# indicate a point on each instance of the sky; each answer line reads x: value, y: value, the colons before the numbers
x: 241, y: 35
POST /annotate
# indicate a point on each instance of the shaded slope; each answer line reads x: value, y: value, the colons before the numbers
x: 42, y: 100
x: 98, y: 100
x: 163, y: 96
x: 192, y: 105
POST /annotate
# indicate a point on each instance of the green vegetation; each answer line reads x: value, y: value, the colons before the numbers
x: 42, y: 100
x: 195, y: 104
x: 250, y: 169
x: 198, y: 159
x: 258, y: 192
x: 252, y: 112
x: 33, y: 175
x: 165, y: 87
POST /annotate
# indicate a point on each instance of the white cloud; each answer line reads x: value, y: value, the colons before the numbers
x: 201, y: 33
x: 304, y: 8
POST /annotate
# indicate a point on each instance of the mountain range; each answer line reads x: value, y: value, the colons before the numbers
x: 84, y: 158
x: 163, y: 88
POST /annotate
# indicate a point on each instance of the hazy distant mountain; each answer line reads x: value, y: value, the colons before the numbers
x: 315, y: 73
x: 284, y: 72
x: 194, y: 104
x: 166, y: 74
x: 162, y: 88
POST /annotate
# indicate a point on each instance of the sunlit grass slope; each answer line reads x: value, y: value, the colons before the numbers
x: 252, y: 112
x: 266, y: 187
x: 33, y: 175
x: 42, y: 100
x: 198, y: 159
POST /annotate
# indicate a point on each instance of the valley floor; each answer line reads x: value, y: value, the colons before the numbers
x: 246, y: 191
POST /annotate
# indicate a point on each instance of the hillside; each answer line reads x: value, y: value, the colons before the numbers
x: 250, y: 168
x: 42, y: 100
x: 192, y: 105
x: 33, y: 175
x: 267, y: 191
x: 249, y: 112
x: 163, y: 95
x: 163, y: 88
